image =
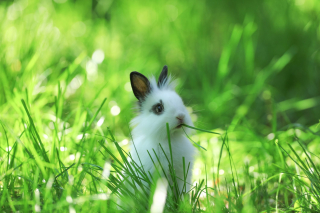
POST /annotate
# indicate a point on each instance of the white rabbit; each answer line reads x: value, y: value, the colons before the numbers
x: 159, y: 104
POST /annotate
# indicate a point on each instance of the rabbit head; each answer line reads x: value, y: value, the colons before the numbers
x: 158, y: 104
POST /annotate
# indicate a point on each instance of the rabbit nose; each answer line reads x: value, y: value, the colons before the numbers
x: 180, y: 117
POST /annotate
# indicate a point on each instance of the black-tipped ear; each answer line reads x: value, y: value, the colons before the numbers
x: 163, y: 76
x: 140, y: 85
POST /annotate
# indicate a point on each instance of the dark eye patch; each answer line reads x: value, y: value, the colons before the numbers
x: 158, y: 108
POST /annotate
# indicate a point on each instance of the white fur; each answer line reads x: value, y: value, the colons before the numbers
x: 149, y: 130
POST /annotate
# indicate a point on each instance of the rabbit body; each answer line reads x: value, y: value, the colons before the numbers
x: 181, y: 147
x: 160, y: 104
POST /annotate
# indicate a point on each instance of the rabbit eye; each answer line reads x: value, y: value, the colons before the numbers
x: 158, y: 108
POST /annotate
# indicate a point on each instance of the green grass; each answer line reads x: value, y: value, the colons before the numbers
x: 247, y: 70
x: 34, y: 177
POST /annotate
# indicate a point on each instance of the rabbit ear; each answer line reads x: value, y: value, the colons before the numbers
x: 140, y: 85
x: 163, y: 76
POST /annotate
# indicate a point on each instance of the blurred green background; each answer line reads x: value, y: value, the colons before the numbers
x: 247, y: 67
x: 233, y: 59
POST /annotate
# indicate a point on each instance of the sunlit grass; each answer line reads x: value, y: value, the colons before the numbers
x: 85, y: 172
x: 66, y: 101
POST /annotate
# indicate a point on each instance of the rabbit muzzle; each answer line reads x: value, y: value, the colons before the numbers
x: 180, y: 119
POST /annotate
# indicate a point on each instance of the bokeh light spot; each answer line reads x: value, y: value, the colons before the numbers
x: 92, y: 70
x: 124, y: 142
x: 98, y: 56
x: 106, y: 170
x: 127, y: 87
x: 100, y: 122
x: 72, y: 157
x: 69, y: 199
x: 71, y: 210
x: 103, y: 196
x: 270, y: 136
x: 197, y: 171
x: 76, y: 82
x: 115, y: 110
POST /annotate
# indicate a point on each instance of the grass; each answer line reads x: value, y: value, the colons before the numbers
x: 65, y: 103
x: 89, y: 174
